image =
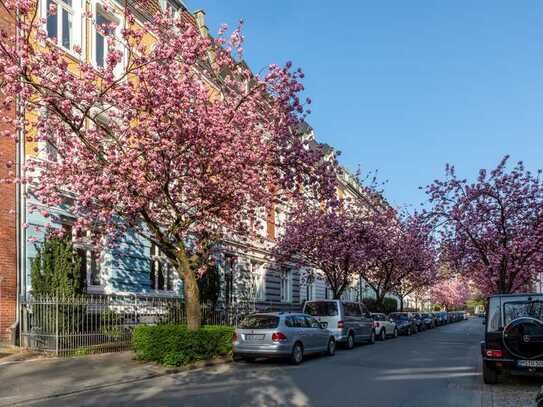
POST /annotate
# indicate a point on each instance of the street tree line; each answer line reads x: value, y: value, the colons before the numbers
x: 178, y: 141
x: 342, y: 241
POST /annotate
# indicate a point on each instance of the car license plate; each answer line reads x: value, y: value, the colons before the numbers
x: 530, y: 363
x: 252, y: 337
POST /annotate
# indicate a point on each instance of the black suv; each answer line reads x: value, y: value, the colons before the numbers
x: 513, y: 335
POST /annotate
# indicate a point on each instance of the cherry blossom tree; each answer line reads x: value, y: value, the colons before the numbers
x: 174, y: 140
x: 450, y: 293
x: 399, y: 254
x: 329, y: 240
x: 491, y: 229
x: 418, y: 258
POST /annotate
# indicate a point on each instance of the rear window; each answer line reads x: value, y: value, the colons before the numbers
x: 321, y: 309
x: 259, y: 322
x: 494, y: 315
x: 352, y: 309
x: 520, y: 309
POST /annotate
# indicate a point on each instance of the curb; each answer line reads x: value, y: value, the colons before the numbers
x: 199, y: 365
x: 166, y: 372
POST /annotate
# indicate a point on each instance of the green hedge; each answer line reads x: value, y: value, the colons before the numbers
x: 175, y: 345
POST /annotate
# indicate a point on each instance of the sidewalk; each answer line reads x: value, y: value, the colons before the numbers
x: 10, y: 353
x: 26, y: 381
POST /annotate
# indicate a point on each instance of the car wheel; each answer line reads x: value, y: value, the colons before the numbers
x: 350, y: 341
x: 331, y: 350
x: 490, y: 376
x: 383, y: 334
x: 395, y: 332
x: 371, y: 341
x: 297, y: 355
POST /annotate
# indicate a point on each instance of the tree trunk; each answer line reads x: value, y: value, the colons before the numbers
x: 191, y: 294
x: 401, y: 304
x: 338, y: 292
x: 192, y: 300
x: 379, y: 299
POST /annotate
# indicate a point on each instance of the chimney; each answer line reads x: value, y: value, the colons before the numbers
x: 200, y: 17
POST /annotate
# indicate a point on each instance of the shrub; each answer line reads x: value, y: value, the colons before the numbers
x: 176, y: 345
x: 56, y: 269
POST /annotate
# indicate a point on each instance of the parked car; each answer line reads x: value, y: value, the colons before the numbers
x: 383, y: 326
x: 421, y: 326
x: 281, y: 335
x: 513, y: 336
x: 428, y: 320
x: 349, y: 322
x: 441, y: 317
x: 405, y: 322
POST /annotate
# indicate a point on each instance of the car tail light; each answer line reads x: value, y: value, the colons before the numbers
x: 376, y: 324
x: 340, y: 324
x: 234, y: 337
x: 279, y: 337
x: 494, y: 353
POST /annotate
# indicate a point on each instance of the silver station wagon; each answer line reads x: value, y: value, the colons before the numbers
x: 281, y: 335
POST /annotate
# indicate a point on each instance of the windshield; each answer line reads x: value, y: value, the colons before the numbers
x: 520, y: 309
x: 259, y: 322
x: 321, y: 309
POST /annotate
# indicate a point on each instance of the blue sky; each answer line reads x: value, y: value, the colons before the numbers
x: 404, y: 87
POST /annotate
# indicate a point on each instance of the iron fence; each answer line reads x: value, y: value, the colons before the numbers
x: 104, y: 323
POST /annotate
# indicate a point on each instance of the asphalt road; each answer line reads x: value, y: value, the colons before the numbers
x: 440, y: 367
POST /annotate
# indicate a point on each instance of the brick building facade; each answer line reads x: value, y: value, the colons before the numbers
x: 8, y: 232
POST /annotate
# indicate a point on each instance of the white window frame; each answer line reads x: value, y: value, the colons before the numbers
x: 310, y: 290
x: 158, y: 259
x: 85, y: 244
x: 259, y: 275
x: 98, y: 8
x: 229, y: 290
x: 76, y: 33
x: 286, y: 285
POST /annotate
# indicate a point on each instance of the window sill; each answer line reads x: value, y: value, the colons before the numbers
x: 70, y: 52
